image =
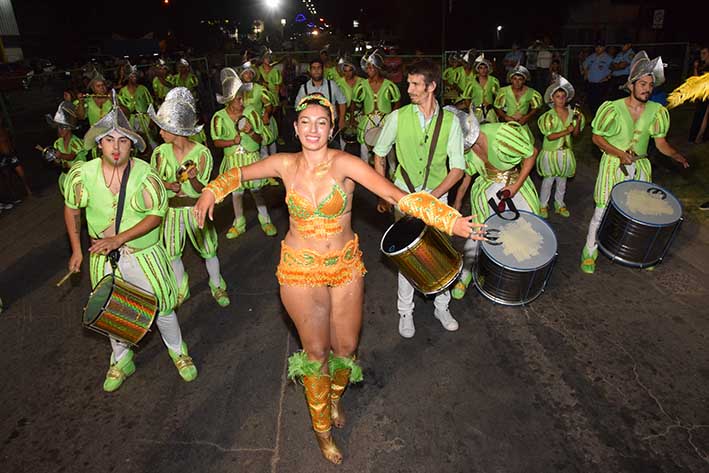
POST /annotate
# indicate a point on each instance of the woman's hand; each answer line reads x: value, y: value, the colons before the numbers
x: 204, y: 207
x: 466, y: 227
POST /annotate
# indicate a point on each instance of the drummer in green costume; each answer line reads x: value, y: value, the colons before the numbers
x: 184, y: 77
x: 481, y: 91
x: 161, y: 86
x: 258, y: 98
x: 239, y: 131
x: 185, y: 168
x: 376, y: 96
x: 450, y: 79
x: 503, y: 156
x: 517, y: 102
x: 330, y: 71
x: 135, y: 99
x: 622, y: 130
x: 347, y: 81
x: 412, y: 129
x: 95, y: 186
x: 273, y: 79
x: 466, y: 73
x: 556, y: 161
x: 69, y: 147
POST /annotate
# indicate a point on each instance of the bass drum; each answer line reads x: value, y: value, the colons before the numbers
x: 423, y: 254
x: 514, y: 265
x: 640, y: 223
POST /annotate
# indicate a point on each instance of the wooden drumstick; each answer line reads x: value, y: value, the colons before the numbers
x: 39, y: 148
x: 66, y: 276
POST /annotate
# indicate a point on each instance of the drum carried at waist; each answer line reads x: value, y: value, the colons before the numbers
x: 423, y: 254
x: 639, y: 224
x: 119, y: 309
x: 372, y: 129
x: 514, y: 265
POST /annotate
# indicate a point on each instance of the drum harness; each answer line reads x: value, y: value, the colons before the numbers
x: 115, y: 255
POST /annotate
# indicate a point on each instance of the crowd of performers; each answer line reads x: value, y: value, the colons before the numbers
x: 147, y: 210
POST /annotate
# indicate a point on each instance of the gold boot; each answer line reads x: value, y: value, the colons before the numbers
x: 340, y: 380
x: 317, y: 394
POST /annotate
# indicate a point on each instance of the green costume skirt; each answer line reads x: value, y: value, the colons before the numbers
x: 556, y: 163
x: 240, y: 159
x: 610, y: 174
x: 203, y: 239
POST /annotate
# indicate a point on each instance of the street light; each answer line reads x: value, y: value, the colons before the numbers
x: 499, y: 28
x: 283, y: 22
x: 272, y: 4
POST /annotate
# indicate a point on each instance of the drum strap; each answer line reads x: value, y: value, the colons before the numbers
x: 431, y: 150
x: 114, y: 255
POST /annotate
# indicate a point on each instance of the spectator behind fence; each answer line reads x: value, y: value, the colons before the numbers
x: 697, y: 131
x: 597, y: 72
x: 545, y: 55
x: 513, y: 58
x: 620, y: 68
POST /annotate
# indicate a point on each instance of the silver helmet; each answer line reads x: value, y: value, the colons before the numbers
x: 518, y: 70
x: 468, y: 123
x: 559, y: 84
x: 480, y: 60
x: 345, y: 60
x: 374, y: 58
x: 231, y: 85
x: 641, y: 65
x: 177, y: 114
x: 65, y: 116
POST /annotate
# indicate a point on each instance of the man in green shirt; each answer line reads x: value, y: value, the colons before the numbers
x: 95, y: 186
x: 161, y: 86
x: 518, y: 102
x: 622, y: 130
x: 135, y: 98
x: 411, y: 128
x: 68, y: 148
x: 185, y: 77
x: 95, y: 105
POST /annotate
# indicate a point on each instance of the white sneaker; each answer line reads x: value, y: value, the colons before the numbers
x: 446, y: 319
x: 5, y: 206
x: 406, y: 325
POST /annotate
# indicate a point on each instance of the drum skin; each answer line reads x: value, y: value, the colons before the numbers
x: 119, y: 309
x: 632, y: 238
x: 423, y: 254
x: 504, y: 280
x: 371, y: 136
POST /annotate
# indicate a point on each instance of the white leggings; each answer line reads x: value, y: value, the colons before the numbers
x: 237, y: 199
x: 545, y: 192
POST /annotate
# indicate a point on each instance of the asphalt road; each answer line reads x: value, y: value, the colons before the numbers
x: 603, y: 373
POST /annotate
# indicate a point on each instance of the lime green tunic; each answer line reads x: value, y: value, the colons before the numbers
x: 272, y: 135
x: 331, y: 73
x: 273, y: 79
x: 94, y: 112
x: 145, y: 195
x: 508, y: 144
x: 507, y: 101
x: 556, y: 158
x: 479, y: 95
x: 190, y: 81
x: 160, y: 89
x: 257, y: 99
x: 76, y: 146
x: 247, y: 151
x: 382, y: 102
x: 204, y: 240
x: 137, y: 105
x: 464, y: 79
x: 614, y: 123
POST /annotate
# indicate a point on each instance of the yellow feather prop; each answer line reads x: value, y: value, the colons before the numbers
x: 694, y: 88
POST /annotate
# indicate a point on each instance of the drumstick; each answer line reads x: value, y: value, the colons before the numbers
x: 66, y: 276
x: 39, y: 148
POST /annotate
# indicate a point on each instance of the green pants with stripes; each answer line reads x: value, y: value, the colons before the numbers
x: 610, y: 174
x: 180, y: 223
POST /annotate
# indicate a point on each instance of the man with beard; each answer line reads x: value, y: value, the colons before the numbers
x: 622, y: 130
x: 325, y: 87
x: 415, y: 129
x: 131, y: 242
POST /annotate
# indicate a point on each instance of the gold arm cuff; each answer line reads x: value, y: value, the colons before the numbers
x: 225, y: 184
x: 432, y: 211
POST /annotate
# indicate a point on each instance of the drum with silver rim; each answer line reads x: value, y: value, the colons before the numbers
x: 639, y: 224
x: 514, y: 265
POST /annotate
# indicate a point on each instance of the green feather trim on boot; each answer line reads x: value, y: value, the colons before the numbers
x: 300, y: 365
x: 344, y: 362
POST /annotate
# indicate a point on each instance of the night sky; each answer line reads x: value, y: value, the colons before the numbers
x: 71, y: 25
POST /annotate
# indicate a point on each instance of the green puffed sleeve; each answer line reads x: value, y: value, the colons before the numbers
x: 257, y: 124
x: 392, y: 93
x: 275, y: 77
x: 75, y: 194
x: 660, y: 124
x: 470, y: 89
x: 270, y: 97
x: 152, y: 197
x: 548, y: 123
x: 217, y: 128
x: 583, y: 122
x: 125, y: 99
x: 606, y: 122
x: 500, y: 99
x: 157, y: 163
x: 358, y: 92
x: 514, y: 140
x: 536, y: 100
x: 205, y: 162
